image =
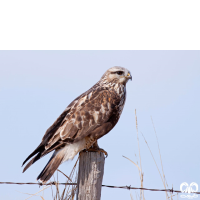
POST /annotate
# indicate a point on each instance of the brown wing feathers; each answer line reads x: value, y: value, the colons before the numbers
x: 40, y: 150
x: 89, y: 116
x: 86, y: 114
x: 50, y: 138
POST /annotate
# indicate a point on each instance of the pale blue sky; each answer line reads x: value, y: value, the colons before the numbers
x: 36, y: 86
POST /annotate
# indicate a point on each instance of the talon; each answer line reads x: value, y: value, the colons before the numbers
x: 103, y: 151
x: 106, y: 155
x: 98, y: 150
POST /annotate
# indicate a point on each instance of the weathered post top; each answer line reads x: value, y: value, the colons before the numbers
x: 90, y: 175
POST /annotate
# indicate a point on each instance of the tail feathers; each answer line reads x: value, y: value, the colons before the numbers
x: 51, y: 166
x: 33, y: 160
x: 40, y: 151
x: 37, y: 150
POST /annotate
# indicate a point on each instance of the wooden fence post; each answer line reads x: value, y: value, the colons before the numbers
x: 90, y: 175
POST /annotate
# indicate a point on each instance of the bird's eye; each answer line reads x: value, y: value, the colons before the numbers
x: 119, y: 72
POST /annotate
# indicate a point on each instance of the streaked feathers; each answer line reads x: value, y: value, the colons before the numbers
x: 89, y: 117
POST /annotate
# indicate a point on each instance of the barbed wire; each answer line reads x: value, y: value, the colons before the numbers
x: 109, y: 186
x: 40, y: 184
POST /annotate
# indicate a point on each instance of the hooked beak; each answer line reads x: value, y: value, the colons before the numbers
x: 129, y: 76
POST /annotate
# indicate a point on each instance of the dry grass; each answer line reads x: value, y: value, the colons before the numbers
x: 31, y: 195
x: 69, y: 191
x: 131, y: 196
x: 139, y: 167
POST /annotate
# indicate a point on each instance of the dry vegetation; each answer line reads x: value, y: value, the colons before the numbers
x: 169, y: 195
x: 58, y: 193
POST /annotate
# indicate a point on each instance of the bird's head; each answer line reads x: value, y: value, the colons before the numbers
x: 116, y: 75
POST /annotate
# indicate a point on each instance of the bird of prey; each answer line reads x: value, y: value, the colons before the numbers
x: 89, y: 117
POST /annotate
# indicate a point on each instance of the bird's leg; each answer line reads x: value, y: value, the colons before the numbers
x: 95, y: 148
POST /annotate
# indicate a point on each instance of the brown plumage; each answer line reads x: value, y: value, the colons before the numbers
x: 89, y: 117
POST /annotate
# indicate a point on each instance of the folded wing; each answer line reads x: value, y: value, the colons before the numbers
x: 86, y: 113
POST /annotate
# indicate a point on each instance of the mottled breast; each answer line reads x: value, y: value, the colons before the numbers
x: 120, y: 91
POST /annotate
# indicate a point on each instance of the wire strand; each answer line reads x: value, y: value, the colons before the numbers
x: 110, y: 186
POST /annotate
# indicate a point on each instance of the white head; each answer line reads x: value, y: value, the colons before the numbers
x: 116, y: 75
